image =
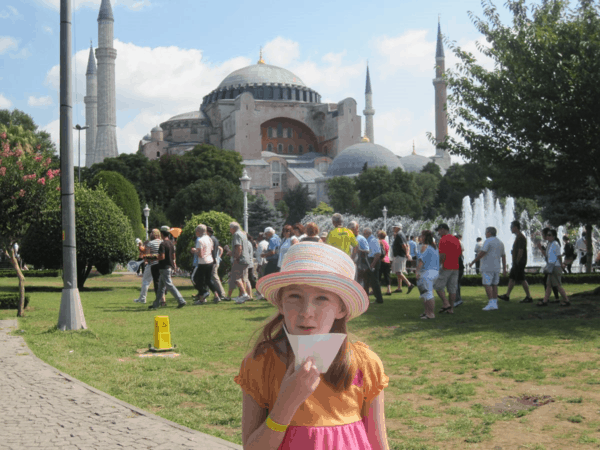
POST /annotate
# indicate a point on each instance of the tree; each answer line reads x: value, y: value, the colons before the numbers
x: 19, y: 119
x: 428, y: 183
x: 213, y: 194
x: 343, y: 195
x: 433, y: 169
x: 261, y: 214
x: 26, y: 178
x: 459, y: 181
x: 322, y: 209
x: 534, y: 117
x: 219, y: 222
x: 103, y: 234
x: 299, y: 202
x: 283, y: 209
x: 123, y: 193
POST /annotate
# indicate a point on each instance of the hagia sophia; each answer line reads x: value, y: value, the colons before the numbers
x: 283, y: 132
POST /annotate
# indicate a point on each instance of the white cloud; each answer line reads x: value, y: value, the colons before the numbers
x: 48, y: 30
x: 10, y: 13
x: 134, y: 5
x: 281, y: 52
x: 21, y: 54
x: 4, y: 102
x: 8, y: 43
x: 37, y: 102
x: 409, y: 50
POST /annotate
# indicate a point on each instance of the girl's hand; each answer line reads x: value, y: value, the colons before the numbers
x: 297, y: 386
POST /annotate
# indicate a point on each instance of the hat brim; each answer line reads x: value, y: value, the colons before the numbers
x: 352, y: 294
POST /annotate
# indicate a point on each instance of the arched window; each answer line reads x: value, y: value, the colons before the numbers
x: 290, y: 133
x: 269, y: 147
x: 270, y: 132
x: 290, y: 148
x: 279, y: 130
x: 300, y: 149
x: 310, y: 148
x: 279, y: 148
x: 158, y: 154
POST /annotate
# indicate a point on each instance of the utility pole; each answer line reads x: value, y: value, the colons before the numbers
x: 70, y: 316
x: 79, y: 128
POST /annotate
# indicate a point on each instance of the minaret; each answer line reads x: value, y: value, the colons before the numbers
x: 442, y: 157
x: 106, y: 138
x: 91, y: 107
x: 369, y: 112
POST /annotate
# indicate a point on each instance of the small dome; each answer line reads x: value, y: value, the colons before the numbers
x: 147, y: 138
x: 352, y: 160
x: 260, y: 74
x: 414, y: 163
x: 156, y: 128
x: 365, y: 139
x: 187, y: 116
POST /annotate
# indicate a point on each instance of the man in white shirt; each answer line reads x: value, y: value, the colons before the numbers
x: 203, y: 262
x: 262, y: 247
x: 581, y: 248
x: 490, y: 256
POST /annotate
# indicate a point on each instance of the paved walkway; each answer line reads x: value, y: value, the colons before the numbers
x: 42, y: 408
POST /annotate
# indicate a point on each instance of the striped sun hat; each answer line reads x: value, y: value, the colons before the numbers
x: 322, y: 266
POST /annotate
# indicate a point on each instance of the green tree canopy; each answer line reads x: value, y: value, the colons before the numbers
x: 213, y: 194
x: 299, y: 202
x: 123, y: 193
x: 322, y: 209
x: 261, y: 214
x: 343, y: 196
x: 23, y: 130
x: 103, y: 234
x: 459, y: 181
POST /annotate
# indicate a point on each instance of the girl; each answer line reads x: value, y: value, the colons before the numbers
x: 315, y: 293
x: 553, y: 269
x: 428, y: 267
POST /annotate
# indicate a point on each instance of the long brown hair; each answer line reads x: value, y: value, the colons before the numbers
x: 428, y: 238
x: 340, y: 374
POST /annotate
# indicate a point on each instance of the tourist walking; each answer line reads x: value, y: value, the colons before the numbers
x: 272, y: 253
x: 519, y: 262
x: 239, y: 263
x: 374, y: 259
x: 312, y: 233
x: 478, y: 247
x: 311, y: 406
x: 554, y: 270
x: 287, y: 240
x: 412, y: 249
x: 428, y: 266
x: 581, y: 247
x: 490, y: 256
x: 261, y: 262
x: 543, y: 246
x: 385, y: 265
x: 151, y: 274
x: 360, y: 254
x: 341, y: 237
x: 568, y: 254
x: 449, y: 252
x: 203, y: 264
x: 401, y: 253
x: 214, y: 274
x: 167, y: 264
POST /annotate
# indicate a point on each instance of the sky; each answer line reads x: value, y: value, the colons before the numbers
x: 170, y: 53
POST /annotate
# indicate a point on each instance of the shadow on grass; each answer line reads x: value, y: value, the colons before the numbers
x: 135, y: 310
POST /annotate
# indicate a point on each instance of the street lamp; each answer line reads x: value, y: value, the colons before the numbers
x: 245, y: 180
x: 384, y: 211
x: 146, y: 214
x: 79, y: 128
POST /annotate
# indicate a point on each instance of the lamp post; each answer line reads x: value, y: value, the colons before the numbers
x: 384, y: 211
x: 79, y: 128
x: 245, y: 180
x: 146, y: 214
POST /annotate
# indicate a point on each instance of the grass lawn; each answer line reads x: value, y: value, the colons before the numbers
x: 453, y: 380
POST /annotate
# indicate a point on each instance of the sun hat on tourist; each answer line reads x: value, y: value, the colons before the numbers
x: 320, y: 266
x: 398, y: 225
x: 165, y: 228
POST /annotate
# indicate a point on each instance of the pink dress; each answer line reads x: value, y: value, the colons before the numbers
x: 327, y: 419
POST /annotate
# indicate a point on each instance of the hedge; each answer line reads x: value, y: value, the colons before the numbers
x: 11, y: 301
x: 532, y: 278
x: 11, y: 273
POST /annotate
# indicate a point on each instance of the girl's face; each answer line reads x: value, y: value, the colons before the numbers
x: 310, y: 310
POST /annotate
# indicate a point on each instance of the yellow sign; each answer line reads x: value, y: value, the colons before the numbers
x: 162, y: 332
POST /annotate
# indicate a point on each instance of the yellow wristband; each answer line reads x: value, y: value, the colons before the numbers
x: 276, y: 426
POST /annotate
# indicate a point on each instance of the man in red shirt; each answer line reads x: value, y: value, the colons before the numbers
x: 450, y: 251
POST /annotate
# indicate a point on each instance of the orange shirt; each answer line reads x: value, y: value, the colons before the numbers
x: 261, y: 378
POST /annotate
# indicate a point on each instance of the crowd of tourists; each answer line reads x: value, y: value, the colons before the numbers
x: 436, y: 257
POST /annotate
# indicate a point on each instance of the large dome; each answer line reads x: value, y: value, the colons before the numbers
x: 352, y: 160
x: 260, y: 74
x: 414, y: 162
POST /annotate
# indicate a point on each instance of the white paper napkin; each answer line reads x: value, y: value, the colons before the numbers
x: 322, y: 347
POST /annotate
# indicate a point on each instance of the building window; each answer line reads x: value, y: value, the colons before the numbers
x: 269, y: 92
x: 290, y: 148
x: 300, y: 149
x: 290, y: 133
x: 279, y: 148
x: 310, y: 148
x: 260, y: 93
x: 269, y: 147
x: 270, y: 132
x: 158, y: 154
x: 299, y: 134
x: 279, y: 130
x: 278, y: 178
